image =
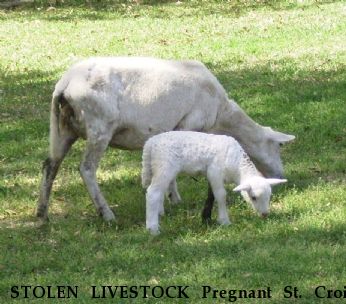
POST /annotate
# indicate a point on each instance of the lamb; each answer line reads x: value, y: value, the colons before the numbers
x: 219, y: 157
x: 123, y: 101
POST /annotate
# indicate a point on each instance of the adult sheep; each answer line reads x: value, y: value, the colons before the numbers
x: 123, y: 101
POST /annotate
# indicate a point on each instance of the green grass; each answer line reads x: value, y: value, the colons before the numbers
x: 283, y: 61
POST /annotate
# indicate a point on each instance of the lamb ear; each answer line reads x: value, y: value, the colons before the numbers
x: 242, y: 187
x: 275, y: 181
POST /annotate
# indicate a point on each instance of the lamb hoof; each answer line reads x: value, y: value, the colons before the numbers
x: 154, y: 231
x: 224, y: 222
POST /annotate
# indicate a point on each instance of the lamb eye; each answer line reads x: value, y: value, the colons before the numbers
x: 253, y: 198
x: 281, y: 144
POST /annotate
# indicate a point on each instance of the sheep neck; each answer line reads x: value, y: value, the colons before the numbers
x: 233, y: 121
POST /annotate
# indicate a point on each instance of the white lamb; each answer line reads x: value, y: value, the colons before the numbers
x: 219, y: 157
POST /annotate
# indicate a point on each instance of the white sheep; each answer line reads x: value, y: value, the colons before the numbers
x: 219, y: 157
x: 123, y: 101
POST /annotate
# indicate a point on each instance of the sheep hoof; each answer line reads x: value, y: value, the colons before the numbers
x: 206, y: 215
x: 207, y: 221
x: 174, y: 198
x: 42, y: 216
x: 42, y: 220
x: 108, y: 216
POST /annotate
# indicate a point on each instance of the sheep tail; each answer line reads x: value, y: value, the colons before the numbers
x: 146, y: 166
x: 54, y: 131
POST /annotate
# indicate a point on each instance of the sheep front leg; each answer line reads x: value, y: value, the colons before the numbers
x: 208, y: 205
x: 94, y: 151
x: 154, y: 202
x: 173, y: 193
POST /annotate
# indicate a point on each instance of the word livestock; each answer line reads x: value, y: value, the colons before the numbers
x: 142, y: 291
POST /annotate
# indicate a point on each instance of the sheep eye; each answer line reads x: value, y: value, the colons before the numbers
x: 253, y: 198
x: 281, y: 144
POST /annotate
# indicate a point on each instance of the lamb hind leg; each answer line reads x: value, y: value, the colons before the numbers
x: 94, y: 150
x: 159, y: 185
x: 154, y: 206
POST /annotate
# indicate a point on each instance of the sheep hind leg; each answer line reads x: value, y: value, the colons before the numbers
x: 208, y: 206
x: 95, y: 149
x: 50, y: 169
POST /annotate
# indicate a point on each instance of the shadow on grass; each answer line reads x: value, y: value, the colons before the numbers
x: 98, y: 10
x: 24, y: 113
x: 26, y: 95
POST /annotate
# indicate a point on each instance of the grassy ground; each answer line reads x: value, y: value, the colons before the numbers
x: 283, y: 61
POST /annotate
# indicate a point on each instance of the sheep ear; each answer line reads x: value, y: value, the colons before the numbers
x: 282, y: 137
x: 279, y: 136
x: 242, y: 187
x: 276, y: 181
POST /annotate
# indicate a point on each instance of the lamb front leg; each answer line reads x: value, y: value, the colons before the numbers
x: 215, y: 179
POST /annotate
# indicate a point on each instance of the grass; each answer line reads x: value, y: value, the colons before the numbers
x: 283, y: 61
